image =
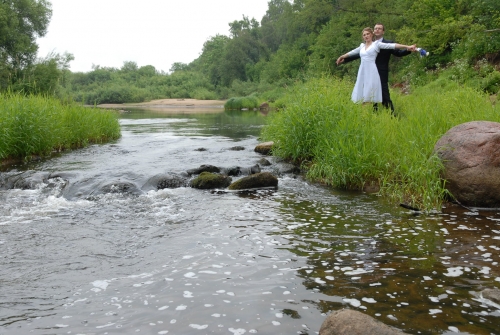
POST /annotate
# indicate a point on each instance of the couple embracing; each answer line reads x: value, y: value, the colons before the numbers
x: 372, y: 83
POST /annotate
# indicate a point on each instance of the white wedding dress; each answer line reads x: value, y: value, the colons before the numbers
x: 368, y: 87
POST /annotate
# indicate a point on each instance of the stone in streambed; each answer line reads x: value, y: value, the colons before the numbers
x: 349, y: 322
x: 208, y: 180
x: 258, y: 180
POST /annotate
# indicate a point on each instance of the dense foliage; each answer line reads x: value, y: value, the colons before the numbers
x: 37, y: 125
x: 294, y: 41
x: 21, y: 23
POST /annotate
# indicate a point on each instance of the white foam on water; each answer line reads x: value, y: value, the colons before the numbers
x: 357, y: 271
x: 352, y: 302
x: 435, y: 311
x: 238, y: 331
x: 101, y: 284
x: 142, y: 275
x: 181, y: 308
x: 61, y: 326
x: 105, y: 326
x: 162, y: 308
x: 163, y: 332
x: 485, y: 270
x: 369, y: 300
x: 199, y: 327
x: 454, y: 272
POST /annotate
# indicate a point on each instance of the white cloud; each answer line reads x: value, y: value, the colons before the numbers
x: 148, y: 32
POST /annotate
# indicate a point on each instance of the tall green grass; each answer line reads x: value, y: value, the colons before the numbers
x: 239, y: 103
x: 349, y: 146
x: 37, y: 125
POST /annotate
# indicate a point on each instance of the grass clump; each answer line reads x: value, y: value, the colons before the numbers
x: 239, y: 103
x: 349, y: 146
x: 37, y: 125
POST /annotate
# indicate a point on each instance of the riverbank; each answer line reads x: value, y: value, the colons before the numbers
x: 170, y: 105
x: 349, y: 146
x: 36, y: 126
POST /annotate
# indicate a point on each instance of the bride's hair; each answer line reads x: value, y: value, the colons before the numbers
x: 368, y: 29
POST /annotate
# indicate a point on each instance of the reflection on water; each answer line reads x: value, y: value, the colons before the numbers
x: 184, y: 261
x: 202, y: 122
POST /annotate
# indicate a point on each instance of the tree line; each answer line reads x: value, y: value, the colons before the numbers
x: 294, y: 41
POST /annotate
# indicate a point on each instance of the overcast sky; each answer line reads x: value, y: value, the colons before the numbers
x: 148, y: 32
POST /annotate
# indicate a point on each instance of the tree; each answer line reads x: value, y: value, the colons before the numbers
x: 21, y: 23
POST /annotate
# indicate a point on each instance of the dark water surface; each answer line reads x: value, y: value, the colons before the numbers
x: 77, y: 260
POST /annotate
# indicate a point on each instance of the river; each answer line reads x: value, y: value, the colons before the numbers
x: 82, y: 257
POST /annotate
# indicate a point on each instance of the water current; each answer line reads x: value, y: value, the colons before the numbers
x: 81, y: 257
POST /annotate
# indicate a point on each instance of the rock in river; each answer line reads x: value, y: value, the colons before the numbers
x: 471, y: 159
x: 208, y: 180
x: 258, y: 180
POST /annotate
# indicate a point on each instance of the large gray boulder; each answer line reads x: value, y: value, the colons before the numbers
x: 349, y: 322
x: 258, y: 180
x: 470, y: 153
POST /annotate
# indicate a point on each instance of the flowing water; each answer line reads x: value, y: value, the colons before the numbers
x: 81, y: 256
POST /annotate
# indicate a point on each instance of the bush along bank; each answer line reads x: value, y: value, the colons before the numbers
x: 36, y: 125
x: 349, y: 146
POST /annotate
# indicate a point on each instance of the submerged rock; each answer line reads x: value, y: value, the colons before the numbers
x: 203, y: 168
x: 349, y: 322
x: 264, y: 162
x: 122, y: 187
x: 492, y: 294
x: 237, y: 148
x: 258, y: 180
x: 238, y: 171
x: 469, y: 153
x: 208, y: 180
x: 162, y: 181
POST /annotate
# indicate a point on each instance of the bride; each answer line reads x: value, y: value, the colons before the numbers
x: 368, y: 87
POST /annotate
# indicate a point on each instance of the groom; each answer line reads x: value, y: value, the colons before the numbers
x: 382, y: 63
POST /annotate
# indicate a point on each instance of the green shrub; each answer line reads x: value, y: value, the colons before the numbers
x: 239, y: 103
x: 491, y: 84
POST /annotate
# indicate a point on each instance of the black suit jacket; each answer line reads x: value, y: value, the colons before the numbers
x: 383, y: 57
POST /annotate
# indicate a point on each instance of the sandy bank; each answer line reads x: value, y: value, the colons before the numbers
x: 169, y: 103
